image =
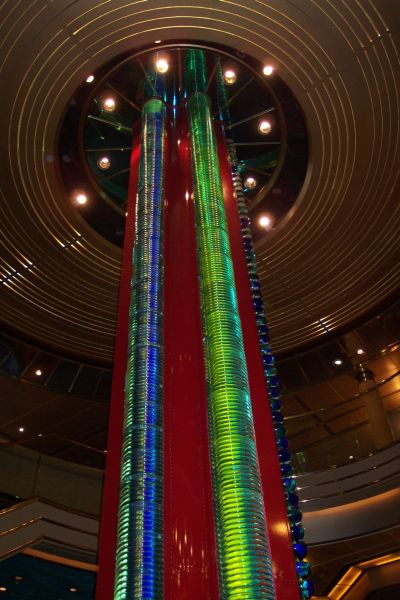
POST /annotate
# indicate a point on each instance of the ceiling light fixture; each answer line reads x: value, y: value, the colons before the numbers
x: 158, y: 42
x: 21, y: 429
x: 104, y: 163
x: 229, y: 76
x: 264, y: 127
x: 268, y: 70
x: 73, y: 589
x: 337, y: 362
x: 81, y: 198
x: 108, y: 104
x: 38, y: 372
x: 162, y: 65
x: 360, y: 351
x: 3, y: 589
x: 90, y: 79
x: 250, y: 183
x: 265, y: 222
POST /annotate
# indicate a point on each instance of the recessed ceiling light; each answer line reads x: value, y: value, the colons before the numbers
x: 38, y: 372
x: 229, y: 76
x: 108, y: 104
x: 81, y: 198
x: 158, y: 42
x: 162, y: 65
x: 3, y: 589
x: 265, y: 221
x: 250, y: 183
x: 21, y: 429
x: 264, y: 127
x: 104, y: 163
x: 18, y: 578
x: 351, y: 457
x: 337, y: 362
x: 360, y: 351
x: 73, y: 589
x: 90, y: 79
x: 268, y: 70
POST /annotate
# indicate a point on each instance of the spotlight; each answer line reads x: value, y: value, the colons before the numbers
x: 265, y: 221
x: 162, y: 65
x: 360, y: 351
x: 108, y: 104
x: 38, y: 372
x: 81, y: 198
x: 337, y: 362
x: 90, y: 79
x: 268, y: 70
x: 21, y: 429
x: 264, y: 127
x: 104, y: 163
x: 250, y: 183
x: 229, y: 76
x: 158, y: 42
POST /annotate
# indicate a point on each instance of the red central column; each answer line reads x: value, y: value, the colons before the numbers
x: 190, y: 571
x: 189, y: 544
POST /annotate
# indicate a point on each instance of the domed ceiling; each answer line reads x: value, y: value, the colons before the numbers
x: 102, y: 123
x: 331, y: 260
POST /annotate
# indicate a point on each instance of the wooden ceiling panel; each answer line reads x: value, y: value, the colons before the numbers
x: 349, y: 420
x: 306, y: 438
x: 345, y: 386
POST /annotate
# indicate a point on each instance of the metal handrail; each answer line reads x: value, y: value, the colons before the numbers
x: 336, y: 479
x: 51, y: 503
x: 47, y: 520
x: 344, y: 492
x: 41, y: 436
x: 41, y: 538
x: 346, y: 401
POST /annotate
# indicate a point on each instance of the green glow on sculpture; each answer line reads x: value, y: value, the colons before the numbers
x: 245, y: 570
x: 289, y: 483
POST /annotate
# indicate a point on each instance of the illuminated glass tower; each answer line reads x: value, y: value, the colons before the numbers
x: 199, y: 497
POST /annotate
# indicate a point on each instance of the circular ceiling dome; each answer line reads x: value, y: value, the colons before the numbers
x: 102, y: 122
x: 334, y: 257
